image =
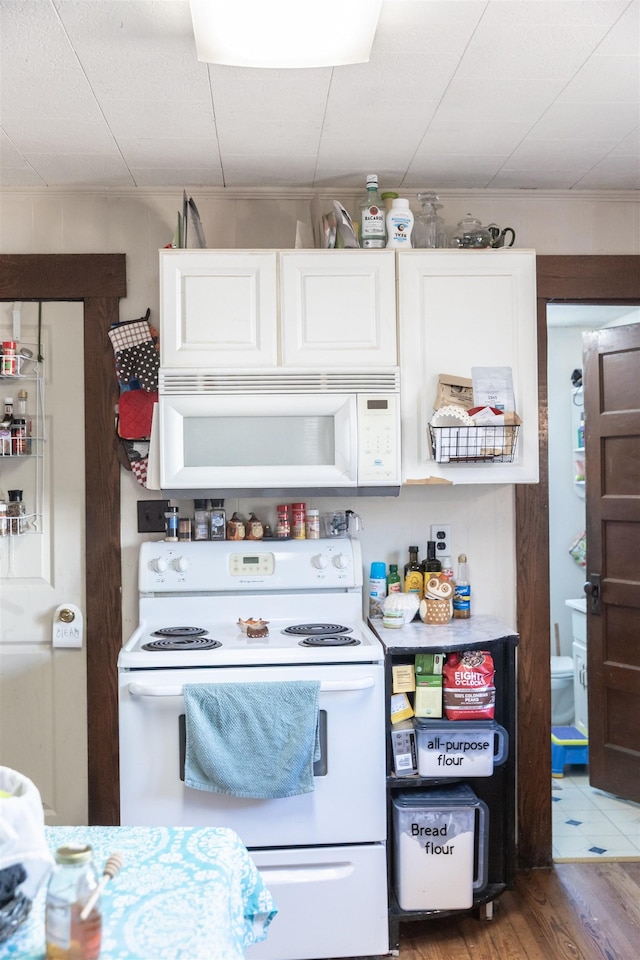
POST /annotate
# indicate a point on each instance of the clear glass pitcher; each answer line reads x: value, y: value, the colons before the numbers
x: 428, y: 230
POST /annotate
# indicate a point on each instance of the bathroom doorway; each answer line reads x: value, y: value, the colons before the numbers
x: 586, y: 823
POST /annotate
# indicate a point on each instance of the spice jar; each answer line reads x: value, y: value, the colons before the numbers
x: 313, y: 524
x: 4, y: 523
x: 171, y: 523
x: 72, y: 883
x: 16, y: 513
x: 9, y: 361
x: 298, y: 527
x: 283, y: 528
x: 218, y: 520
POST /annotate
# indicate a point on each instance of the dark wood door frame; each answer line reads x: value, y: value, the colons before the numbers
x: 601, y: 279
x: 100, y: 281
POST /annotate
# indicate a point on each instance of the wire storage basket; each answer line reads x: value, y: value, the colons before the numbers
x: 475, y: 444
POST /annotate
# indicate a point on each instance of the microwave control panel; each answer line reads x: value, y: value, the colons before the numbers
x: 378, y: 438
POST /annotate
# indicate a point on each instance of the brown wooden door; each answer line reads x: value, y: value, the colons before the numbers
x: 611, y: 370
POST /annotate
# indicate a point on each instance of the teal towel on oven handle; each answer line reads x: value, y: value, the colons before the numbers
x: 255, y: 740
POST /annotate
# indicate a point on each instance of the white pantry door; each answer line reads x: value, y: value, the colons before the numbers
x: 43, y: 715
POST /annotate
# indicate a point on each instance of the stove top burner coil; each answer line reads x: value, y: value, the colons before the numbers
x: 316, y: 629
x: 179, y: 632
x: 182, y: 643
x: 326, y: 641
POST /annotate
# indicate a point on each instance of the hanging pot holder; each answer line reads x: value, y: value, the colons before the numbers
x: 135, y: 412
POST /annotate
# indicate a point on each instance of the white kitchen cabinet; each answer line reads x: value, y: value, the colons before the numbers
x: 460, y: 309
x: 218, y: 308
x: 580, y: 687
x: 248, y: 309
x: 338, y: 308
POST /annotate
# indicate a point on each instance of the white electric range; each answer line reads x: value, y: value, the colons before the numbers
x: 323, y: 852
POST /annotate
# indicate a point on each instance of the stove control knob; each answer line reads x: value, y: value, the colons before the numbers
x: 159, y: 565
x: 319, y: 561
x: 181, y: 564
x: 341, y: 561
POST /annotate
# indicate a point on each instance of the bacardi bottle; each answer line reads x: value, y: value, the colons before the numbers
x: 372, y: 217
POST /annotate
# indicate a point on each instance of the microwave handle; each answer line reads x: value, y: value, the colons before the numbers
x: 327, y: 686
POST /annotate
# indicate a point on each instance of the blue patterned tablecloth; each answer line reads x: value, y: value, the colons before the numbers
x: 182, y: 894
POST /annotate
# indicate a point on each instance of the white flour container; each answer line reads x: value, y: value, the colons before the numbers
x: 460, y: 748
x: 439, y: 834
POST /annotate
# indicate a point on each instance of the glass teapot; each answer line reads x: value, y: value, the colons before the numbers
x: 470, y: 233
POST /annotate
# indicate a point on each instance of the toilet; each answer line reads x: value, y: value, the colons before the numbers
x: 562, y: 709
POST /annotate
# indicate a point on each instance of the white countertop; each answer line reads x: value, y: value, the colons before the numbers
x: 478, y: 629
x: 580, y: 604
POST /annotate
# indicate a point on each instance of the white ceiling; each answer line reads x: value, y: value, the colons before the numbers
x: 473, y: 94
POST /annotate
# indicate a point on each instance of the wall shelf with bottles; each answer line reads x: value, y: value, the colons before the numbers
x: 22, y: 443
x: 577, y: 425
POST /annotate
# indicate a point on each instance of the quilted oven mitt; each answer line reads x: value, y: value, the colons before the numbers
x: 136, y: 354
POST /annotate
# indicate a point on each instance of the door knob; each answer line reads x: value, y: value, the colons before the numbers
x: 592, y: 590
x: 68, y: 626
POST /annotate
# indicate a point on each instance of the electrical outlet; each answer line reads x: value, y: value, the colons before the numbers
x: 151, y: 515
x: 441, y: 533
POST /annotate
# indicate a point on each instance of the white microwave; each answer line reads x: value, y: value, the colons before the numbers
x: 233, y: 432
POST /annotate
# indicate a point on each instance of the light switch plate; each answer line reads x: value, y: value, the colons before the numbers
x: 441, y: 533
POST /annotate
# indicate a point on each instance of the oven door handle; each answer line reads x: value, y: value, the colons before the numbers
x: 327, y: 686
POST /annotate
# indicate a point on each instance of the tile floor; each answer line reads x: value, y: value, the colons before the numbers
x: 590, y: 824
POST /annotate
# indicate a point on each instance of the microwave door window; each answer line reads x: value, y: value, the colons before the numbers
x: 253, y: 441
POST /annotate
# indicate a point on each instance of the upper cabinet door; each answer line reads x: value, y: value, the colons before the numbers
x: 218, y: 309
x: 338, y: 308
x: 460, y: 309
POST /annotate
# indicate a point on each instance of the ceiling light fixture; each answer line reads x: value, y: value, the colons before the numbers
x: 284, y: 33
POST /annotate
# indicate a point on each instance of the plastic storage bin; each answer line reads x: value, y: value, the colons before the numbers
x: 439, y: 834
x: 462, y: 748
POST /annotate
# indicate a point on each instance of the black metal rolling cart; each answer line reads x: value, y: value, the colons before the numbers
x: 497, y: 791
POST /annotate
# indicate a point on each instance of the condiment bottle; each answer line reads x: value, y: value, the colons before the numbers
x: 73, y: 881
x: 377, y: 590
x: 7, y: 416
x: 394, y: 584
x: 430, y: 564
x: 462, y: 591
x: 218, y: 520
x: 399, y: 225
x: 413, y: 579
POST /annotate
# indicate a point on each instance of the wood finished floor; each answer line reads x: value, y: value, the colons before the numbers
x: 573, y: 911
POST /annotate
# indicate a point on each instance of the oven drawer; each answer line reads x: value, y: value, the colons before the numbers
x: 312, y: 890
x: 347, y: 804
